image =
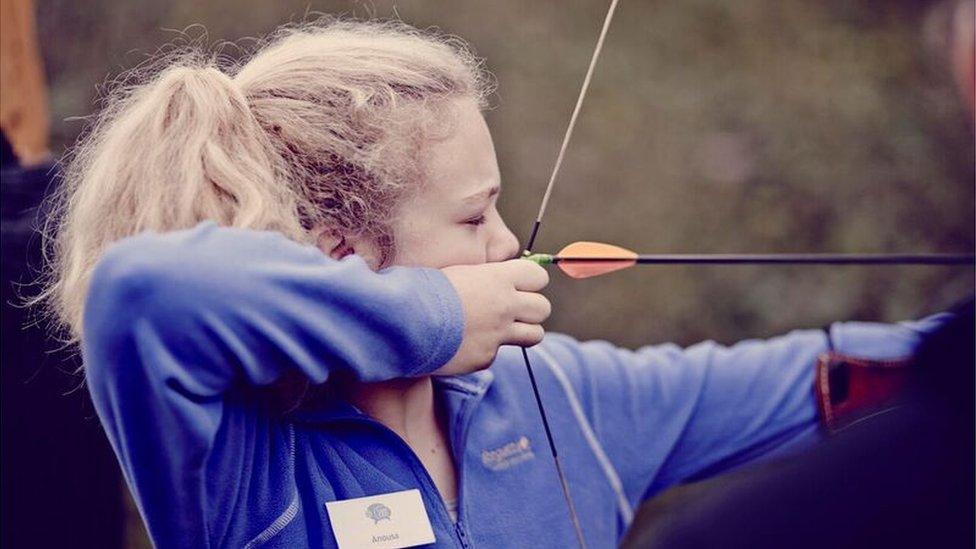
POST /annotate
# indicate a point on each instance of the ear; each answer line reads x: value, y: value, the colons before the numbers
x: 332, y: 244
x: 338, y: 246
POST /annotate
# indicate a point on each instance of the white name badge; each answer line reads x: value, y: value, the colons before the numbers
x: 387, y: 521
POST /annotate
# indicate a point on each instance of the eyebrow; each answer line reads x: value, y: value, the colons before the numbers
x: 482, y: 195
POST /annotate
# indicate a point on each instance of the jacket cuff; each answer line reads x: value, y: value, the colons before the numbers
x: 850, y: 389
x: 450, y: 332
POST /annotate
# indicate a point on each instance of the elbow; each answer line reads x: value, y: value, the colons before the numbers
x: 120, y: 292
x: 124, y: 288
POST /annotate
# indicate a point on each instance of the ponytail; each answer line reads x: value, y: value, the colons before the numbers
x: 176, y: 151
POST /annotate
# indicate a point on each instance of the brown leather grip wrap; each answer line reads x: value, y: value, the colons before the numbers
x: 852, y: 388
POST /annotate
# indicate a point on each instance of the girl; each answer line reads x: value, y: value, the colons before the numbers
x: 295, y: 295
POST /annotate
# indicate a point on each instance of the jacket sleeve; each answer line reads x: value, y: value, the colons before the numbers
x: 173, y: 322
x: 666, y: 415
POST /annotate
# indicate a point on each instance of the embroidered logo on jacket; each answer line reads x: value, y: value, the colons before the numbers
x: 508, y: 455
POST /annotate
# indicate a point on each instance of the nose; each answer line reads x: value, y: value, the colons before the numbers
x: 503, y: 244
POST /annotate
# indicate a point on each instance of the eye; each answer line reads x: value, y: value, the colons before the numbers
x: 480, y: 220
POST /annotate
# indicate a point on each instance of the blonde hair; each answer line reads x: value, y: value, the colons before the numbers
x: 323, y: 126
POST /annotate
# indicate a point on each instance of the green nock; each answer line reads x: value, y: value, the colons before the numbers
x: 541, y: 259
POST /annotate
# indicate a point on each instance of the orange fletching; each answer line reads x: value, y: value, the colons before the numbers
x: 575, y: 259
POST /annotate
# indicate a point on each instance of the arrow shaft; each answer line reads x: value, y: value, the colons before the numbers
x: 781, y: 259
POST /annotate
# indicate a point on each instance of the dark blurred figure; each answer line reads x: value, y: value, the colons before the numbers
x: 904, y: 478
x: 901, y: 479
x: 61, y: 485
x: 60, y: 482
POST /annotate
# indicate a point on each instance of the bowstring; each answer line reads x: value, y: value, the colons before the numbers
x: 572, y: 124
x: 528, y: 250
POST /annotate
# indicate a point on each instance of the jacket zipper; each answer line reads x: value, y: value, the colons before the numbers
x: 459, y: 532
x: 459, y: 452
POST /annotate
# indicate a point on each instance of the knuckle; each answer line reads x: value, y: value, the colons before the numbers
x: 511, y: 271
x: 546, y: 306
x: 510, y: 310
x: 543, y: 275
x: 488, y: 355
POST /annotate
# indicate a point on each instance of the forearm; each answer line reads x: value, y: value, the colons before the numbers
x: 668, y: 414
x: 228, y: 304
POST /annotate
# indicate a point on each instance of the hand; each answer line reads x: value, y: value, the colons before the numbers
x: 501, y: 307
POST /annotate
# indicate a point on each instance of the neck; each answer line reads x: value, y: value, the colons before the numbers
x: 405, y: 405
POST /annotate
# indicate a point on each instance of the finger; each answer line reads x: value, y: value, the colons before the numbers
x: 528, y: 276
x: 532, y: 308
x: 524, y: 335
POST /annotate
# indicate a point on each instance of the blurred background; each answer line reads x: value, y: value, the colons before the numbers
x: 711, y: 126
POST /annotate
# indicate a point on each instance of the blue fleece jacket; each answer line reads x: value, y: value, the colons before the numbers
x: 181, y: 327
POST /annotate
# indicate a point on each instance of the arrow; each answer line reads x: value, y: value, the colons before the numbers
x: 589, y: 259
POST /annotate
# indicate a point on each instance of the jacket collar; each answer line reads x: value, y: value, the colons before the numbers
x: 457, y: 392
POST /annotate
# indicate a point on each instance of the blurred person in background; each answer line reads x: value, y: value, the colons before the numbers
x: 903, y: 477
x: 292, y: 288
x: 58, y: 473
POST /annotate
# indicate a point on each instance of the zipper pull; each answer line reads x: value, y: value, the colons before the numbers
x: 461, y: 535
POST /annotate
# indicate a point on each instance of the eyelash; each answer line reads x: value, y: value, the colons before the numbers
x: 480, y: 220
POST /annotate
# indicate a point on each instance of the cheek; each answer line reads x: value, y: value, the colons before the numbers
x: 449, y: 249
x: 412, y: 246
x: 428, y: 246
x: 467, y: 248
x: 424, y: 244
